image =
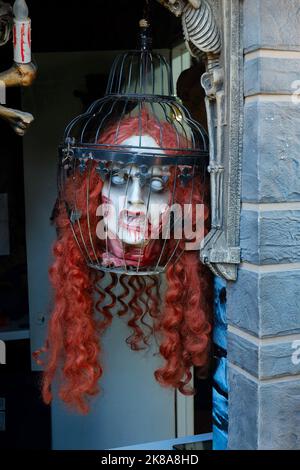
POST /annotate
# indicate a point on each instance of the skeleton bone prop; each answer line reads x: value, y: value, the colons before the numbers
x: 21, y: 74
x: 202, y: 37
x: 18, y: 120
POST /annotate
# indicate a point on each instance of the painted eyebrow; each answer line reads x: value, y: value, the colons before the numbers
x: 157, y: 171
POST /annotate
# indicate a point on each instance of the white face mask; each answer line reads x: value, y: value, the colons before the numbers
x: 139, y: 198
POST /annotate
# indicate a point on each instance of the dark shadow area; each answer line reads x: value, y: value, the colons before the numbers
x: 24, y: 419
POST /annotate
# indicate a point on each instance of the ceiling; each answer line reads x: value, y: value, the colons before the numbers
x: 65, y: 25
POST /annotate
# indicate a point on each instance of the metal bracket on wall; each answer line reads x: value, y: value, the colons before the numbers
x: 212, y: 32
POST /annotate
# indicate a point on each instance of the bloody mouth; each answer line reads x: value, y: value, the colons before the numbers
x: 134, y: 221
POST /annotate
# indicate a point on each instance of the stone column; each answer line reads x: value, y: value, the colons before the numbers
x: 264, y: 304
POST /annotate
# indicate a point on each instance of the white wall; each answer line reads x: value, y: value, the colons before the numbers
x: 181, y: 60
x: 132, y: 407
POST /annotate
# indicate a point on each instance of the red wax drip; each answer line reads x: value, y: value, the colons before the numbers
x: 22, y: 42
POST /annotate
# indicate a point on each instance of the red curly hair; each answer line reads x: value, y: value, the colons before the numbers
x: 181, y: 323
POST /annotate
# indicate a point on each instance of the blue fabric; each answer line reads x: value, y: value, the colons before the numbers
x: 220, y: 384
x: 220, y: 375
x: 220, y: 319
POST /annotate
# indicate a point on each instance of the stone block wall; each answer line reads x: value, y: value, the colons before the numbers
x: 263, y: 306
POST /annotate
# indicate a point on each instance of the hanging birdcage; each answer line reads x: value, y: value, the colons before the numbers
x: 130, y: 165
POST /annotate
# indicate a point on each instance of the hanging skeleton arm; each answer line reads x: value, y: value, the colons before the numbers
x: 203, y: 39
x: 19, y: 75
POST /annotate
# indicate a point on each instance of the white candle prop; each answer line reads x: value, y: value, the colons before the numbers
x: 22, y: 33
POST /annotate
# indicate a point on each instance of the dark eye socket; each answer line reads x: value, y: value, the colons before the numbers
x: 118, y: 178
x: 158, y: 183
